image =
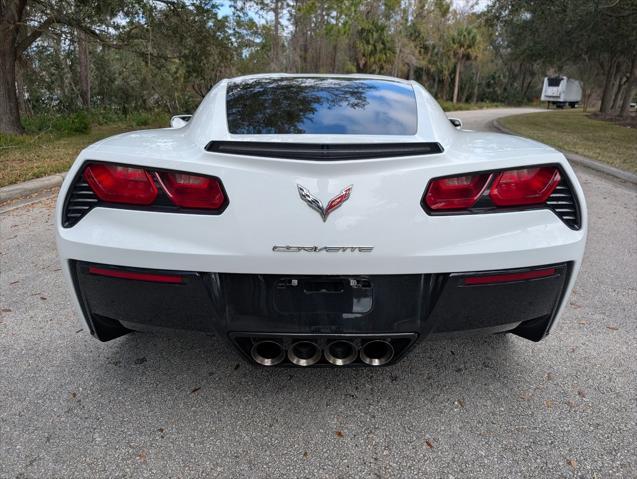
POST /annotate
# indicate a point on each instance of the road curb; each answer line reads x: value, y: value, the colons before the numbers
x: 581, y: 160
x: 30, y: 187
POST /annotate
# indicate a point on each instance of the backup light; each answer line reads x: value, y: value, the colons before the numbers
x: 457, y: 192
x: 121, y: 184
x: 524, y: 186
x: 192, y: 191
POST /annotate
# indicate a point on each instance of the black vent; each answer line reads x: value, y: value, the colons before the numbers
x: 323, y: 152
x: 564, y: 205
x: 80, y: 201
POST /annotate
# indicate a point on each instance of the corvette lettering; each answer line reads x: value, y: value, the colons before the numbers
x: 322, y: 249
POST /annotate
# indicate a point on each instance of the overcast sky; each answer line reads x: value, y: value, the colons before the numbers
x: 462, y: 5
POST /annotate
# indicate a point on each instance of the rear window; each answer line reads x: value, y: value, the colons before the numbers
x: 328, y: 106
x: 554, y: 81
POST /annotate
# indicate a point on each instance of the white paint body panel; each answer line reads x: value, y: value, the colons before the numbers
x: 265, y: 209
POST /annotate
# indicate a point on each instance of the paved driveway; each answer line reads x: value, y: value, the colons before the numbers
x: 184, y: 405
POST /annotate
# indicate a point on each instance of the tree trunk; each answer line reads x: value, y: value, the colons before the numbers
x: 436, y: 85
x: 10, y: 16
x: 608, y: 86
x: 474, y: 99
x: 457, y: 80
x: 630, y: 88
x: 9, y: 111
x: 618, y: 87
x: 23, y: 106
x: 85, y: 77
x: 618, y: 94
x: 445, y: 86
x: 275, y: 42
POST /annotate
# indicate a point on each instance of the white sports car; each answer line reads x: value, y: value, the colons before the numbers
x: 320, y: 220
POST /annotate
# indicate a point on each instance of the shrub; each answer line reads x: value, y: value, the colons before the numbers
x: 68, y: 124
x: 140, y: 119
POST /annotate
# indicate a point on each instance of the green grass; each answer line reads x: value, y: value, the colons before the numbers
x: 577, y: 132
x: 46, y: 150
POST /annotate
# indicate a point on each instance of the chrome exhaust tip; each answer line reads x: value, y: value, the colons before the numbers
x: 267, y: 352
x: 304, y: 353
x: 377, y: 352
x: 341, y: 352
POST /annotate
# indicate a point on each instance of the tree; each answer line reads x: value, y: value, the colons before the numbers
x: 563, y: 34
x: 11, y: 15
x: 21, y: 25
x: 463, y: 42
x: 373, y: 47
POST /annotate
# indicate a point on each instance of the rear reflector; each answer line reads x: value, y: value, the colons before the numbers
x: 524, y: 186
x: 121, y: 184
x: 123, y: 274
x: 192, y: 191
x: 508, y: 277
x: 457, y: 192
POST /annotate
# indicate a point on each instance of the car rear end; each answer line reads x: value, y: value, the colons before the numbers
x: 440, y: 233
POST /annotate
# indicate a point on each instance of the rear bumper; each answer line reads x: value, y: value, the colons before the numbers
x: 246, y: 307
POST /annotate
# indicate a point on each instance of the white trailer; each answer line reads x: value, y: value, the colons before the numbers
x: 561, y: 91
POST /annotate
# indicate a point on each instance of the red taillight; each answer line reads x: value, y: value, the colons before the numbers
x: 457, y: 192
x: 121, y: 184
x: 123, y: 274
x: 192, y: 191
x: 508, y: 277
x: 524, y: 186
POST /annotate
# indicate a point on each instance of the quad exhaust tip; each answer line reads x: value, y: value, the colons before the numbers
x: 304, y: 353
x: 376, y: 352
x: 341, y: 352
x: 268, y: 352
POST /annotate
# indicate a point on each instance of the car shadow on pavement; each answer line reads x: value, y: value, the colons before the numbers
x: 205, y: 366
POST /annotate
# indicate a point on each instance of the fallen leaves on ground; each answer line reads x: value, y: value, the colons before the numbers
x: 339, y: 434
x: 459, y: 402
x: 195, y: 390
x: 572, y: 463
x: 429, y: 444
x: 613, y: 328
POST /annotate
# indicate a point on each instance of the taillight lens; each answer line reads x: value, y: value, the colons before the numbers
x: 192, y: 191
x: 121, y: 184
x: 524, y: 186
x: 458, y: 192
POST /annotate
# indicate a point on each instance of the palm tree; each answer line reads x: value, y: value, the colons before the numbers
x: 463, y: 42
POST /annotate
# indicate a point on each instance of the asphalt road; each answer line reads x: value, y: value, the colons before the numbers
x: 184, y: 405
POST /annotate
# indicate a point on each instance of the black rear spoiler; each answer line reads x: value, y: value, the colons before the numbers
x: 323, y: 151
